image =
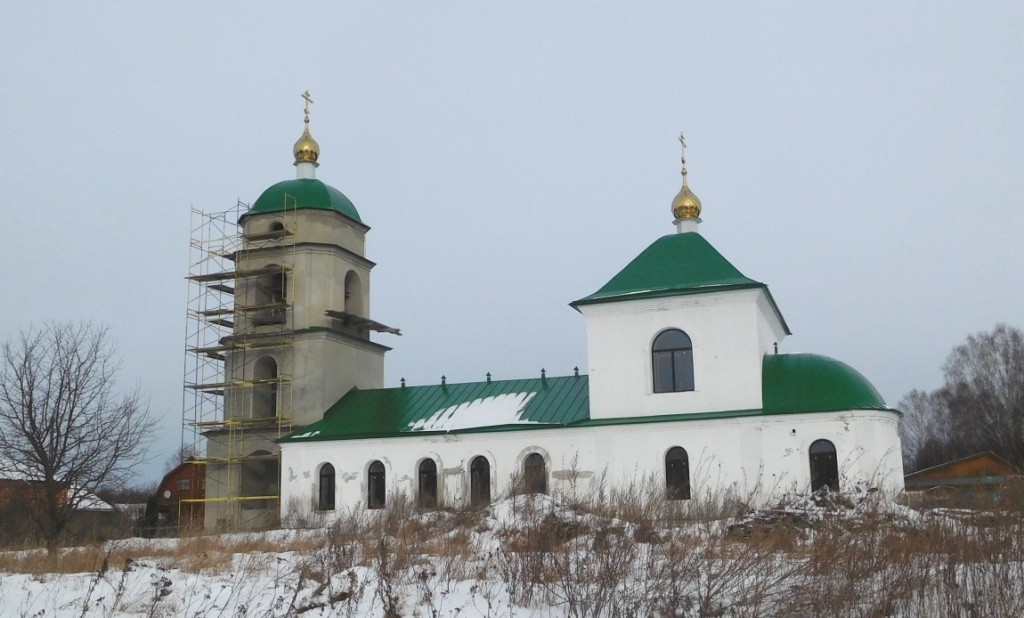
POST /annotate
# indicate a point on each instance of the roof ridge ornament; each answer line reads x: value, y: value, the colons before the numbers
x: 686, y: 205
x: 306, y: 150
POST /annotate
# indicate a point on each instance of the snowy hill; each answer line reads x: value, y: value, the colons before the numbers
x: 534, y: 556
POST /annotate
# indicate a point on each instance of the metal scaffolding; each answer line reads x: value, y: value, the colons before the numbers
x: 236, y: 401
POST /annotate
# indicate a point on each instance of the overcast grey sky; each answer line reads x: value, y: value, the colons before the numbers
x: 863, y: 159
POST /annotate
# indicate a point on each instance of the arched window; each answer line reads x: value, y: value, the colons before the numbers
x: 427, y: 494
x: 277, y: 226
x: 677, y: 474
x: 375, y: 491
x: 354, y: 294
x: 672, y: 362
x: 264, y: 392
x: 535, y: 474
x: 269, y: 296
x: 259, y: 480
x: 824, y: 466
x: 326, y: 498
x: 479, y: 481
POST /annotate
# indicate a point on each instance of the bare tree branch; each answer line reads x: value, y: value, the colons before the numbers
x: 62, y: 426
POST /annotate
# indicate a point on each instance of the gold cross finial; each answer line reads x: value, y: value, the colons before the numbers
x: 682, y: 142
x: 305, y: 95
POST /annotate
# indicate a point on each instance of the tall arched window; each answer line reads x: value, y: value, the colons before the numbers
x: 677, y: 474
x: 672, y: 362
x: 264, y: 392
x: 824, y: 466
x: 354, y: 294
x: 326, y: 498
x: 427, y: 494
x: 535, y: 474
x: 375, y: 492
x: 269, y: 296
x: 480, y: 481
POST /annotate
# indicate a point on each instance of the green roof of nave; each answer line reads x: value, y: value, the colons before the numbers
x: 304, y: 193
x: 673, y: 265
x: 790, y: 384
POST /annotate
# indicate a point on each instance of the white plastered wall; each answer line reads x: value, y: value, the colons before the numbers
x: 758, y: 458
x: 730, y: 332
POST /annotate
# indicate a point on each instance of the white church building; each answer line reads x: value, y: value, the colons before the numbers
x: 684, y: 387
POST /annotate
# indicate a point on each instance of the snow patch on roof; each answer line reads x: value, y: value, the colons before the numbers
x: 504, y: 409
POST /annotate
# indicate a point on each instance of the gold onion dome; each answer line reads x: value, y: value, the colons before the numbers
x: 306, y: 150
x: 686, y: 204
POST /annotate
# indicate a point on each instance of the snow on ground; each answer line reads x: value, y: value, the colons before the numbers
x: 536, y: 556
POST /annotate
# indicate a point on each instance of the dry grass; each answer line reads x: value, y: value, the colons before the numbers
x: 626, y: 553
x: 191, y: 554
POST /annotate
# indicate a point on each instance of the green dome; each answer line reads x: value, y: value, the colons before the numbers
x: 814, y: 383
x: 304, y: 193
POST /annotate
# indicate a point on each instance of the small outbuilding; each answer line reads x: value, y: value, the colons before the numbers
x: 976, y: 479
x: 179, y: 497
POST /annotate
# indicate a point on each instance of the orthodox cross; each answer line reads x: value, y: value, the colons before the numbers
x: 305, y: 95
x: 682, y: 142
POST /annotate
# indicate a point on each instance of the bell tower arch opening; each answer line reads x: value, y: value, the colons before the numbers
x: 264, y: 394
x: 354, y: 297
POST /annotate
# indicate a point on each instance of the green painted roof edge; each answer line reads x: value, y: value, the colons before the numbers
x: 590, y: 300
x: 669, y: 293
x: 308, y: 193
x: 778, y: 312
x: 601, y: 422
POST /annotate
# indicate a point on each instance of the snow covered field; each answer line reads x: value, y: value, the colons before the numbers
x: 535, y: 556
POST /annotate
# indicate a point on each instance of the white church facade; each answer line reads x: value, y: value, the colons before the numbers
x: 684, y: 388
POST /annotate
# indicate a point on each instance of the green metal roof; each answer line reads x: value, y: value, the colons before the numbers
x: 675, y: 264
x: 474, y: 406
x: 791, y: 384
x: 813, y: 383
x: 304, y: 193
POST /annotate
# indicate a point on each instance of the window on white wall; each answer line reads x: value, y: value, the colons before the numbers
x: 535, y: 474
x: 677, y: 474
x: 672, y: 362
x: 480, y: 481
x: 427, y: 494
x: 824, y: 465
x: 325, y: 500
x: 375, y: 492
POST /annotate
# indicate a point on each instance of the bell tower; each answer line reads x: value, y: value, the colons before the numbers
x: 300, y: 334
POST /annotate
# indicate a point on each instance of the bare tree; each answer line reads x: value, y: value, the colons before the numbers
x: 925, y: 429
x: 63, y: 429
x: 980, y: 406
x: 984, y: 389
